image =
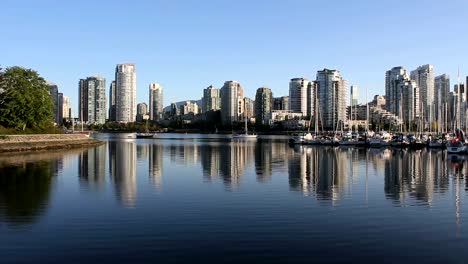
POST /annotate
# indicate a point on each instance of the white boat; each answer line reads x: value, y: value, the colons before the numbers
x: 246, y: 135
x: 303, y: 138
x: 144, y: 135
x: 243, y: 136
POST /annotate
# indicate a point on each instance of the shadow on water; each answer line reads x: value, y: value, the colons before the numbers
x: 25, y: 191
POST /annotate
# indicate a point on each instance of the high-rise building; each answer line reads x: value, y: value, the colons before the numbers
x: 112, y: 95
x: 211, y: 99
x: 281, y: 103
x: 53, y: 91
x: 142, y: 111
x: 354, y: 95
x: 331, y: 95
x: 393, y: 78
x: 410, y: 104
x: 311, y: 98
x: 60, y: 109
x: 232, y: 102
x: 402, y: 95
x: 263, y: 105
x: 156, y: 101
x: 66, y: 108
x: 125, y: 91
x: 92, y: 100
x: 424, y: 78
x: 456, y: 103
x: 441, y: 99
x: 298, y: 93
x: 249, y: 107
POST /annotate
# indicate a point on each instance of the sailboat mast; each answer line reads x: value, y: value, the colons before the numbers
x: 458, y: 100
x: 316, y: 114
x: 367, y: 113
x: 246, y: 124
x: 351, y: 111
x: 401, y: 113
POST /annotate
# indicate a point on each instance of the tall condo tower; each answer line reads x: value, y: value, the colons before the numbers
x: 156, y: 101
x: 263, y: 105
x: 92, y: 100
x: 331, y: 95
x: 232, y: 102
x: 211, y: 99
x: 125, y: 93
x: 424, y: 78
x: 402, y: 94
x: 354, y: 95
x: 441, y: 101
x: 298, y: 95
x: 53, y: 91
x: 112, y: 113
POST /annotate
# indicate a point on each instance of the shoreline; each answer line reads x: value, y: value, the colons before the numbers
x: 38, y: 142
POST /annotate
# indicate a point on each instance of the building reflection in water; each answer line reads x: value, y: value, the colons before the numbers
x: 263, y: 161
x: 415, y: 175
x: 92, y: 167
x: 457, y: 169
x: 122, y: 169
x: 25, y: 189
x: 234, y: 157
x: 184, y: 154
x: 210, y: 161
x: 224, y: 160
x: 321, y: 170
x: 155, y: 165
x: 142, y: 152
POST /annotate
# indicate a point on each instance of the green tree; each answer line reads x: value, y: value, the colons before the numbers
x: 24, y: 99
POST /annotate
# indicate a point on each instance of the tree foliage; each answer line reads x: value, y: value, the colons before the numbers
x: 24, y: 99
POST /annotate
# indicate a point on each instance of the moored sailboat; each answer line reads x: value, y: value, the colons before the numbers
x: 246, y: 134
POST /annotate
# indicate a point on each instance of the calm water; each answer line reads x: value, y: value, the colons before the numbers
x: 187, y: 198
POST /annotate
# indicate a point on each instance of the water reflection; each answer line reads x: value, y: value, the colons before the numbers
x: 404, y: 177
x: 155, y: 165
x: 416, y: 174
x: 25, y: 190
x: 142, y: 152
x: 234, y: 158
x: 122, y: 170
x: 92, y: 168
x: 210, y: 161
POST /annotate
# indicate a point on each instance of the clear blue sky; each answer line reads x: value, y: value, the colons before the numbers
x: 188, y: 45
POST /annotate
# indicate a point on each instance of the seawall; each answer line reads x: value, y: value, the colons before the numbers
x: 11, y: 143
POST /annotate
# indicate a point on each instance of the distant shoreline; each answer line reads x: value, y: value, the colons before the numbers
x: 38, y: 142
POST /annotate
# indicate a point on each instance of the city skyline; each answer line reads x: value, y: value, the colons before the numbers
x: 158, y: 45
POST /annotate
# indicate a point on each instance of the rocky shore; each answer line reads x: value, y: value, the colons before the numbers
x: 14, y: 143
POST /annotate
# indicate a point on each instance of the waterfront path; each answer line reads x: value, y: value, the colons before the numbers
x: 9, y: 143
